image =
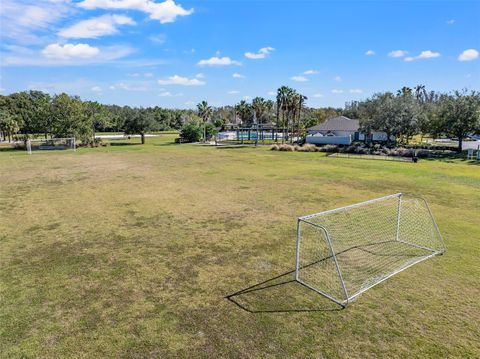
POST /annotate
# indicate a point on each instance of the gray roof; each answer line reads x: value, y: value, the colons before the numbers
x: 340, y: 123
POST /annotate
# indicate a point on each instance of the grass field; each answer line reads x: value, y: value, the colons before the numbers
x: 130, y: 251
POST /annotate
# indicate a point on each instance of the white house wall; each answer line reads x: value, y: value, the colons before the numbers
x: 329, y: 140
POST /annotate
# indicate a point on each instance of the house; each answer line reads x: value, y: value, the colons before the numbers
x: 340, y: 130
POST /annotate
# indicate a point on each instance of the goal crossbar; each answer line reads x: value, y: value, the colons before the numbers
x: 341, y: 253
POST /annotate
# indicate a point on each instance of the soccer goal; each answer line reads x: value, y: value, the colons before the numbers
x: 343, y: 252
x: 51, y: 144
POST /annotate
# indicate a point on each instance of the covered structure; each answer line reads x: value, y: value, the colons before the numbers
x: 260, y: 132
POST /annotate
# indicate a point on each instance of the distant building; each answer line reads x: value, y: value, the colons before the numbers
x: 340, y: 130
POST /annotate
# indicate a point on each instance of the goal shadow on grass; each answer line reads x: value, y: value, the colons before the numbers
x: 281, y: 294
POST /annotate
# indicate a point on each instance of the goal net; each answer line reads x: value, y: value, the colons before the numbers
x: 51, y: 144
x: 343, y: 252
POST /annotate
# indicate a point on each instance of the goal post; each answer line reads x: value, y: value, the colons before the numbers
x: 67, y: 143
x: 343, y: 252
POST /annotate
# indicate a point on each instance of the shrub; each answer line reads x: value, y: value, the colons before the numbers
x: 329, y: 148
x: 191, y: 132
x: 362, y: 150
x: 423, y: 153
x: 349, y: 149
x: 308, y: 148
x: 91, y: 142
x: 285, y: 147
x: 211, y: 131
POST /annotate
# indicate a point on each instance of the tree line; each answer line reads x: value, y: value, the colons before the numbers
x: 401, y: 115
x: 31, y: 114
x: 410, y: 112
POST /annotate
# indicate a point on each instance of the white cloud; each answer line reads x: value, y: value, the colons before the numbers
x: 165, y: 12
x: 337, y: 91
x: 427, y: 54
x: 338, y: 78
x: 137, y: 74
x: 357, y: 91
x: 233, y: 92
x: 132, y: 86
x: 158, y: 39
x: 64, y: 55
x: 218, y: 61
x: 236, y: 75
x: 450, y: 22
x: 70, y: 51
x: 169, y: 94
x: 310, y: 72
x: 298, y: 78
x: 261, y: 54
x: 181, y: 81
x: 247, y: 98
x: 272, y: 93
x: 96, y: 27
x: 71, y: 85
x: 96, y: 89
x: 200, y: 76
x: 397, y: 53
x: 468, y: 55
x: 317, y: 95
x: 370, y: 53
x: 31, y: 22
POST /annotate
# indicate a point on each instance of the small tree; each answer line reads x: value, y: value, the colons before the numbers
x: 191, y: 132
x: 210, y: 131
x: 205, y: 112
x: 408, y: 114
x: 68, y: 118
x: 139, y: 122
x: 459, y: 114
x: 96, y: 115
x: 9, y: 125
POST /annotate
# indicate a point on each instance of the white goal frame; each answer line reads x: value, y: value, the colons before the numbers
x: 72, y: 139
x: 343, y: 252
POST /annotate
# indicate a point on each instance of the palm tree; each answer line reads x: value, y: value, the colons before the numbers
x: 298, y: 102
x: 291, y: 108
x: 284, y: 104
x: 244, y: 110
x: 261, y: 107
x: 205, y: 112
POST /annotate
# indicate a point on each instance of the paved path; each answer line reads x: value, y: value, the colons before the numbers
x: 121, y: 136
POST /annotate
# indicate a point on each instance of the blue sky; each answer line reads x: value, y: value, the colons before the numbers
x: 175, y: 54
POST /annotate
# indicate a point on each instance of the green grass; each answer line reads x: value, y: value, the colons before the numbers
x: 130, y: 251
